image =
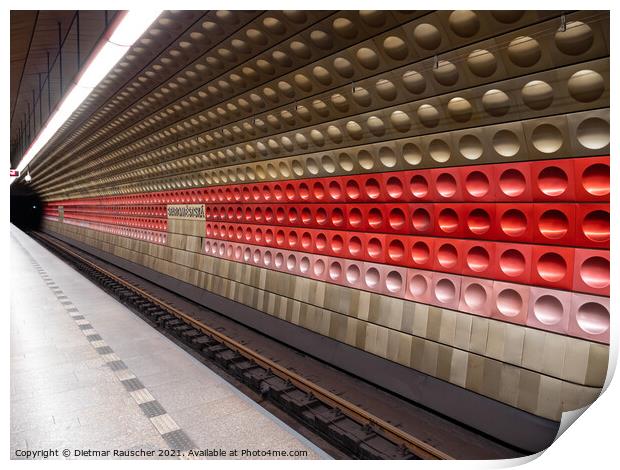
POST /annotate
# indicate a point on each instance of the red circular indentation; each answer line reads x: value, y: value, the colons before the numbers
x: 396, y: 219
x: 475, y: 296
x: 280, y: 237
x: 355, y: 217
x: 548, y: 310
x: 394, y: 281
x: 372, y: 188
x: 448, y: 220
x: 396, y: 250
x: 594, y: 272
x: 596, y: 226
x: 353, y: 189
x: 277, y: 192
x: 306, y: 241
x: 512, y: 263
x: 421, y: 220
x: 418, y: 186
x: 355, y: 246
x: 335, y: 270
x: 335, y: 191
x: 447, y: 256
x: 595, y: 179
x: 446, y: 185
x: 513, y: 223
x: 593, y: 318
x: 509, y: 302
x: 318, y: 191
x: 394, y: 187
x: 292, y: 239
x: 445, y: 290
x: 268, y: 235
x: 320, y: 242
x: 478, y: 221
x: 375, y: 218
x: 478, y: 259
x: 280, y: 214
x: 417, y: 285
x: 290, y: 192
x: 268, y: 214
x: 477, y: 184
x: 306, y: 215
x: 337, y: 217
x: 321, y: 216
x: 420, y: 253
x: 551, y: 267
x: 292, y: 215
x: 553, y: 224
x: 374, y: 248
x: 512, y: 182
x: 304, y: 191
x: 266, y: 193
x: 337, y: 244
x: 552, y: 181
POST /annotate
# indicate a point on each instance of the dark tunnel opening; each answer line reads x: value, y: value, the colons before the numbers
x: 26, y: 207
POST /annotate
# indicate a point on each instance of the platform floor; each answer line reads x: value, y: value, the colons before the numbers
x: 88, y: 374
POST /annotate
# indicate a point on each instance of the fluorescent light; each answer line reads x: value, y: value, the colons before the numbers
x: 130, y: 27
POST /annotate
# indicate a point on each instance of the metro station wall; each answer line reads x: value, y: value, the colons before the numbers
x: 448, y: 213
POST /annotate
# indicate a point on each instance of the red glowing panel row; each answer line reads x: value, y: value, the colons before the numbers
x: 139, y: 211
x: 580, y: 315
x: 137, y: 222
x: 583, y: 270
x: 585, y: 225
x: 569, y: 179
x: 150, y: 236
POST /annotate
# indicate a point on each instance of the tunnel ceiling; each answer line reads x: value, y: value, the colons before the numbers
x: 203, y: 95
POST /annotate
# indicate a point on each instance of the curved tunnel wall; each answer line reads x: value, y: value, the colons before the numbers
x: 431, y: 188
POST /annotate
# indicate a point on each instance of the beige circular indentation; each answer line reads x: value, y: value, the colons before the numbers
x: 496, y: 102
x: 344, y: 67
x: 470, y: 147
x: 507, y: 16
x: 367, y: 58
x: 427, y: 36
x: 376, y: 126
x: 506, y: 143
x: 354, y: 130
x: 374, y: 18
x: 303, y: 82
x: 321, y: 39
x: 412, y: 154
x: 524, y: 51
x: 386, y: 89
x: 400, y: 120
x: 395, y: 47
x: 537, y: 94
x: 322, y: 75
x: 414, y: 82
x: 428, y: 115
x: 586, y: 85
x: 460, y: 109
x: 577, y: 38
x: 345, y: 161
x: 593, y: 133
x: 301, y: 49
x: 328, y: 164
x: 361, y: 96
x: 334, y: 134
x: 547, y: 138
x: 344, y: 27
x: 439, y: 150
x: 482, y: 63
x: 446, y: 73
x: 365, y: 160
x: 465, y: 23
x: 387, y: 157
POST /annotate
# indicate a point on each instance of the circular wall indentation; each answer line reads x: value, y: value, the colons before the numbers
x: 400, y: 121
x: 374, y: 248
x: 372, y: 277
x: 428, y: 115
x: 375, y: 218
x: 394, y: 281
x: 372, y: 188
x: 460, y: 109
x: 586, y: 85
x: 355, y: 217
x: 547, y: 138
x: 412, y: 154
x: 482, y: 63
x: 595, y: 179
x: 475, y: 296
x: 553, y: 224
x: 594, y: 272
x: 367, y: 58
x: 477, y: 184
x: 551, y: 267
x: 439, y: 150
x: 427, y: 36
x: 576, y: 39
x: 396, y: 250
x: 446, y: 73
x: 478, y: 259
x: 421, y: 220
x: 445, y: 290
x: 335, y: 270
x: 507, y: 16
x: 537, y: 94
x: 394, y: 187
x: 352, y: 190
x: 512, y: 182
x: 396, y: 219
x: 448, y: 220
x: 414, y: 82
x: 479, y: 221
x: 319, y: 267
x: 512, y: 263
x: 353, y: 273
x: 420, y: 253
x: 418, y: 186
x: 552, y: 181
x: 465, y: 23
x: 513, y: 223
x: 506, y: 143
x: 524, y: 51
x: 593, y: 318
x: 447, y: 256
x: 593, y: 133
x: 395, y: 47
x: 446, y: 185
x: 417, y: 285
x: 595, y: 226
x: 509, y: 302
x: 496, y: 102
x: 470, y: 147
x: 548, y: 310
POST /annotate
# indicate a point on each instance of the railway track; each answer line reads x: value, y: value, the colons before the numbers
x: 355, y: 431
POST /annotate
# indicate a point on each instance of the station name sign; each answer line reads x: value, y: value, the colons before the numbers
x: 186, y: 211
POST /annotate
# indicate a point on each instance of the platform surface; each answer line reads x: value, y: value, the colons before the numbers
x: 87, y: 374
